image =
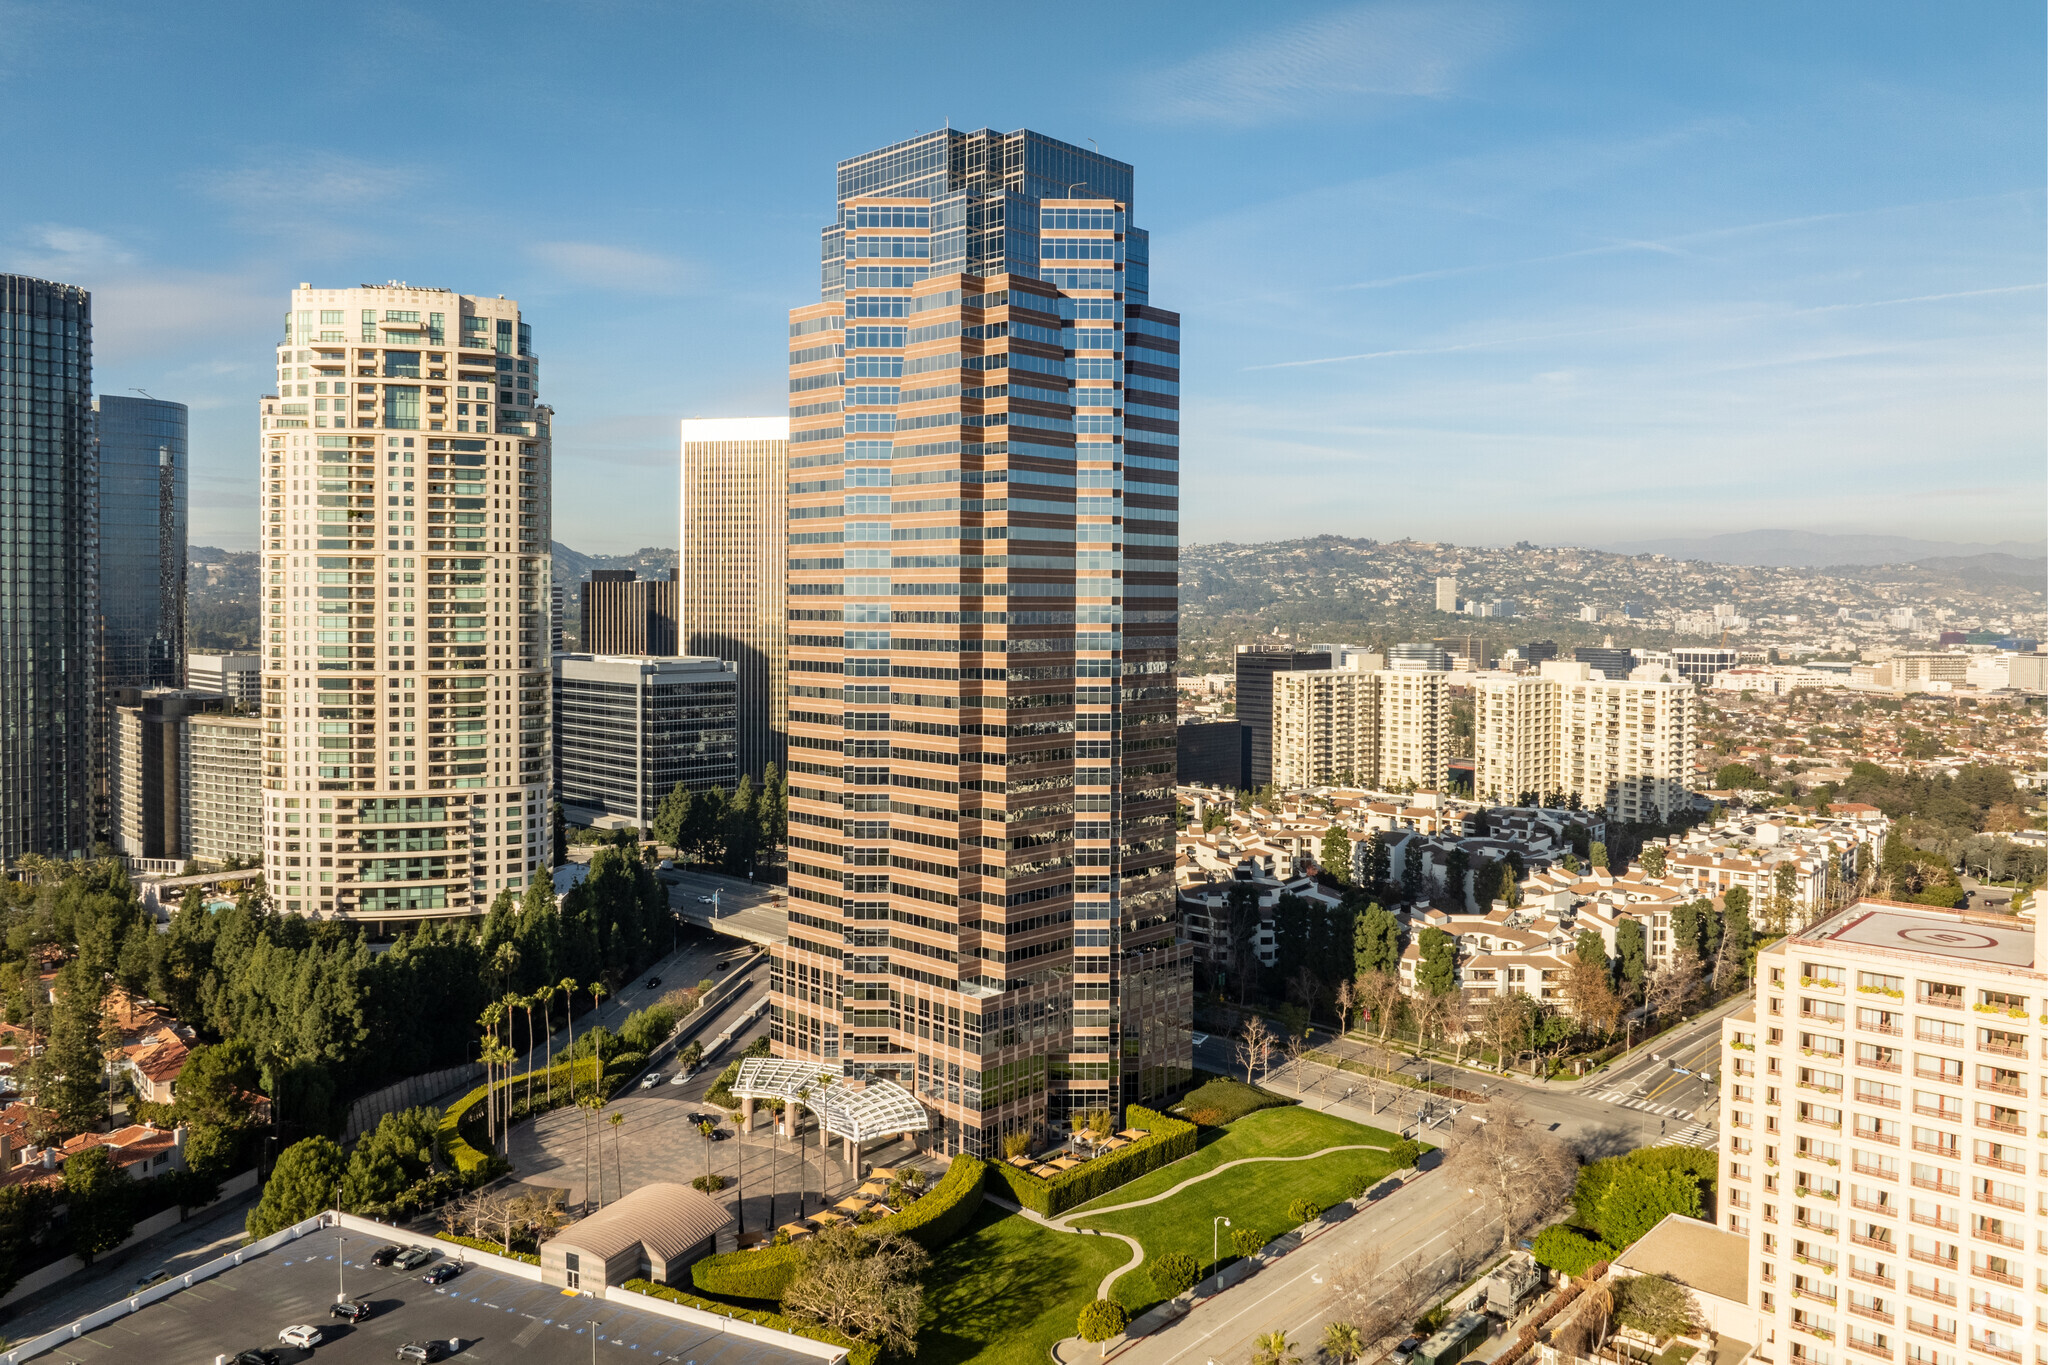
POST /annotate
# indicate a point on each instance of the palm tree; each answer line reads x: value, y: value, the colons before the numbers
x: 1273, y: 1348
x: 568, y: 989
x: 590, y: 1104
x: 546, y: 996
x: 619, y: 1153
x: 527, y: 1002
x: 487, y: 1054
x: 502, y: 1057
x: 706, y: 1127
x: 598, y: 992
x: 1343, y: 1343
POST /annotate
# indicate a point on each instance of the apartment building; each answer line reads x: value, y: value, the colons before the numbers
x: 982, y: 558
x: 1256, y: 667
x: 1624, y: 746
x: 1882, y: 1147
x: 406, y: 536
x: 148, y: 750
x: 223, y: 788
x: 1447, y: 594
x: 1382, y: 729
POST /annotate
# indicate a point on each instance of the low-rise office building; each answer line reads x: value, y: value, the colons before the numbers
x: 628, y: 729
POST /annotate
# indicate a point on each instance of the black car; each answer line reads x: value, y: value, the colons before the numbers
x: 422, y: 1350
x: 652, y: 982
x: 384, y: 1255
x: 257, y: 1355
x: 442, y: 1273
x: 349, y: 1312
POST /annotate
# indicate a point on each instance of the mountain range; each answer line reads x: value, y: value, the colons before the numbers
x: 1813, y: 550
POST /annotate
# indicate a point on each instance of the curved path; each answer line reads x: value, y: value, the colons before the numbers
x: 1064, y: 1221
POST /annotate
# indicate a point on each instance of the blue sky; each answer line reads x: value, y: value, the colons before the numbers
x: 1464, y: 270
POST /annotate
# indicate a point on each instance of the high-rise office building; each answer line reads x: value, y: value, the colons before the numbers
x: 731, y: 604
x: 406, y: 566
x: 149, y: 754
x: 981, y: 704
x: 1255, y: 669
x: 238, y: 677
x: 628, y: 730
x: 625, y: 614
x: 1447, y: 594
x: 1701, y: 664
x: 142, y: 532
x: 49, y: 543
x: 1378, y: 728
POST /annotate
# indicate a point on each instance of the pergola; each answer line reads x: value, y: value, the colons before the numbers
x: 855, y: 1111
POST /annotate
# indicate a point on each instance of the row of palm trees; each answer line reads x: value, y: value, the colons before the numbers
x: 1342, y: 1343
x: 499, y: 1056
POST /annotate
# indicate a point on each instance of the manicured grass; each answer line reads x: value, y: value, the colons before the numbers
x: 1007, y: 1288
x: 1251, y: 1196
x: 1269, y: 1132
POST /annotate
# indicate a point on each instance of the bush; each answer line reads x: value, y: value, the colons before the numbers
x: 708, y: 1184
x: 1654, y: 1304
x: 1175, y: 1274
x: 464, y: 1155
x: 1567, y: 1250
x: 1622, y: 1197
x: 1247, y: 1241
x: 1166, y: 1140
x: 761, y: 1275
x: 1304, y: 1211
x: 1405, y: 1153
x: 1361, y: 1186
x: 646, y: 1029
x: 478, y: 1244
x: 624, y: 1065
x: 1101, y: 1320
x: 1223, y: 1100
x: 857, y: 1352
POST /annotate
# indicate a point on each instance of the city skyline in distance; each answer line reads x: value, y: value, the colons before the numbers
x: 1707, y: 276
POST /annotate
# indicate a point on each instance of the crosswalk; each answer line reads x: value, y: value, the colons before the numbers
x: 1631, y: 1102
x: 1692, y: 1135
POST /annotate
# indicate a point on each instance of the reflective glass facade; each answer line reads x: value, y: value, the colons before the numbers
x: 983, y: 624
x: 143, y: 519
x: 49, y: 569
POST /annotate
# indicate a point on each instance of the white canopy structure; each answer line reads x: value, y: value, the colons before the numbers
x: 855, y: 1110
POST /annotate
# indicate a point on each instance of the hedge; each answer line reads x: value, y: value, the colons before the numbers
x: 857, y: 1352
x: 1166, y: 1140
x: 931, y: 1222
x: 1568, y: 1250
x: 464, y: 1155
x: 478, y: 1244
x: 1223, y: 1100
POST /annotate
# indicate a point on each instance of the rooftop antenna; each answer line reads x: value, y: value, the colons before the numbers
x: 145, y: 393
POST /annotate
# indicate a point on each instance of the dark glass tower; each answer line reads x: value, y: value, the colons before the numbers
x: 142, y: 451
x: 49, y: 563
x: 983, y: 624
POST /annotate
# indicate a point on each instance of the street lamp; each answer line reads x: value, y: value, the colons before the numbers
x: 340, y: 1259
x: 1216, y: 1248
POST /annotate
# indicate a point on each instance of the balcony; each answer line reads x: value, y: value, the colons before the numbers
x: 1998, y: 1314
x: 1888, y: 1210
x: 1986, y: 1197
x: 1998, y: 1125
x: 1877, y: 1064
x: 1929, y: 1330
x: 1927, y: 1221
x: 2001, y: 1163
x: 1937, y: 1186
x: 1856, y: 1344
x: 1928, y: 1258
x: 1984, y: 1346
x: 1984, y: 1234
x: 1995, y: 1276
x: 1887, y: 1281
x: 1881, y: 1243
x: 1932, y: 1296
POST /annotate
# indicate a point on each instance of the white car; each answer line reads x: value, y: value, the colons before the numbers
x: 679, y: 1078
x: 650, y: 1080
x: 303, y: 1336
x: 704, y: 900
x: 1198, y: 1038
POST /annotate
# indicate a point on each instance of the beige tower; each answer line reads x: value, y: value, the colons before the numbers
x: 406, y: 562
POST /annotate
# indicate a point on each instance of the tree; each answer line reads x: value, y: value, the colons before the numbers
x: 1102, y: 1320
x: 1381, y: 997
x: 559, y: 828
x: 1241, y: 908
x: 1376, y: 941
x: 1597, y: 855
x: 1640, y: 1196
x: 1589, y: 991
x: 1783, y: 900
x: 1297, y: 1050
x: 389, y: 1159
x: 861, y: 1283
x: 1505, y: 1021
x: 101, y: 1201
x: 1675, y: 985
x: 1655, y: 1304
x: 1515, y: 1164
x: 1273, y: 1348
x: 1437, y: 973
x: 1736, y: 940
x: 302, y: 1184
x: 1590, y: 947
x: 1175, y: 1274
x: 1457, y: 867
x: 1342, y: 1343
x: 65, y: 1077
x: 1336, y: 855
x: 1254, y: 1047
x: 1247, y: 1241
x: 1632, y: 950
x: 1345, y: 1000
x: 1377, y: 859
x: 1737, y: 777
x: 1653, y: 862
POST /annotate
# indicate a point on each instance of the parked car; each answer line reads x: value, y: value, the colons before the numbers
x: 354, y: 1310
x: 423, y: 1350
x: 305, y: 1336
x: 257, y: 1355
x: 154, y: 1277
x: 650, y: 1080
x: 1405, y: 1352
x: 384, y: 1255
x: 412, y: 1258
x: 442, y: 1273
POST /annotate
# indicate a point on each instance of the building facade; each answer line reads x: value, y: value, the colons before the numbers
x: 629, y: 729
x: 1447, y: 594
x: 1881, y: 1149
x: 406, y: 533
x: 149, y: 751
x: 1622, y: 745
x: 730, y: 604
x: 1376, y: 728
x: 143, y: 516
x: 1698, y: 665
x: 238, y: 677
x: 49, y: 540
x: 223, y: 797
x: 982, y: 560
x: 1256, y: 668
x: 625, y: 614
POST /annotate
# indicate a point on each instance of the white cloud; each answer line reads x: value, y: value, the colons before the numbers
x: 597, y: 265
x: 284, y: 184
x: 1396, y: 50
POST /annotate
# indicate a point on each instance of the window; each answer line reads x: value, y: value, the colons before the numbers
x: 402, y: 406
x: 330, y: 317
x: 572, y: 1269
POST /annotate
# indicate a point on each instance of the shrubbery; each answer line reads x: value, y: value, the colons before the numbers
x: 462, y: 1153
x: 857, y: 1353
x: 1223, y: 1100
x: 1618, y: 1199
x: 1166, y: 1140
x: 1175, y: 1274
x: 1567, y: 1250
x: 1304, y: 1211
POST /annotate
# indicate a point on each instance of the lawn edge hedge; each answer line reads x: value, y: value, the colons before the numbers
x: 931, y: 1222
x: 494, y: 1248
x: 1166, y: 1140
x: 857, y: 1352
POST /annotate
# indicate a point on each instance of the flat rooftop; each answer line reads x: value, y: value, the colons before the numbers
x: 1698, y: 1255
x: 1935, y: 933
x: 500, y: 1319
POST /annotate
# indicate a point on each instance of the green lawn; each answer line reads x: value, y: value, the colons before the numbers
x: 1008, y: 1288
x: 1251, y: 1196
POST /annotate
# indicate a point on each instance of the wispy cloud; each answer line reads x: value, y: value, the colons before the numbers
x: 59, y: 251
x: 287, y: 183
x: 597, y: 265
x: 1381, y: 49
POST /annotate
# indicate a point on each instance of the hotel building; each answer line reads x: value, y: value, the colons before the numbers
x: 406, y: 562
x: 982, y: 602
x: 1884, y: 1148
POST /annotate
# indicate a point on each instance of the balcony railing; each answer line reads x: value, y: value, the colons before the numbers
x: 1887, y: 1281
x: 2001, y: 1163
x: 1931, y: 1295
x: 1889, y: 1210
x: 1927, y: 1330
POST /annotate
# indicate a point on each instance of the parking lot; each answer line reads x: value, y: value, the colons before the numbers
x: 497, y: 1318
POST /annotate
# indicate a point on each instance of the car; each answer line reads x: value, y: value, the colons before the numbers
x: 1198, y: 1039
x: 653, y: 982
x: 650, y: 1080
x: 1405, y: 1352
x: 349, y: 1310
x: 423, y: 1350
x: 154, y: 1277
x: 720, y: 1134
x: 257, y: 1355
x: 442, y: 1273
x: 704, y: 900
x: 304, y: 1335
x: 384, y: 1255
x: 683, y: 1074
x: 412, y: 1258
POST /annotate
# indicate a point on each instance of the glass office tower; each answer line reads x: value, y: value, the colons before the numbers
x: 49, y: 491
x: 982, y: 579
x: 142, y: 541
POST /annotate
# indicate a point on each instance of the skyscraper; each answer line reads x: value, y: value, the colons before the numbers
x: 1255, y: 669
x: 981, y: 708
x: 49, y: 569
x: 406, y: 565
x: 142, y: 518
x: 1447, y: 594
x: 734, y: 523
x: 624, y: 613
